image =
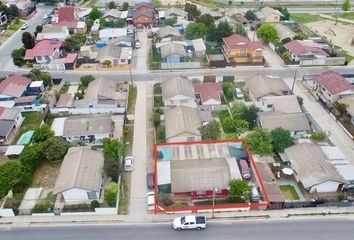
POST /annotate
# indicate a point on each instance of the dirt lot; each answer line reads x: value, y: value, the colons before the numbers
x: 340, y: 34
x: 46, y: 175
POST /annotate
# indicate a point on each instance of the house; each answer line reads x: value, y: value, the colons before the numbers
x: 27, y: 9
x: 118, y: 56
x: 173, y: 53
x: 330, y: 86
x: 208, y: 93
x: 182, y: 124
x: 111, y: 15
x: 312, y: 169
x: 349, y: 102
x: 261, y: 86
x: 111, y: 33
x: 83, y: 14
x: 12, y: 88
x: 269, y: 15
x: 198, y: 47
x: 68, y: 16
x: 175, y: 13
x: 44, y: 51
x: 216, y: 60
x: 80, y: 178
x: 79, y: 129
x: 122, y: 41
x: 285, y: 104
x: 240, y: 50
x: 53, y: 32
x: 3, y: 18
x: 26, y: 103
x: 302, y: 49
x: 214, y: 13
x: 178, y: 91
x: 36, y: 88
x: 284, y: 31
x: 10, y: 122
x: 168, y: 32
x: 297, y: 123
x: 144, y: 15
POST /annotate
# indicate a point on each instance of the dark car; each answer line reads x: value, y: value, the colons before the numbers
x: 150, y: 180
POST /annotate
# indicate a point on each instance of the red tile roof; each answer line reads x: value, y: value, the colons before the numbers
x: 45, y: 47
x: 14, y: 86
x: 2, y: 109
x: 208, y: 91
x: 240, y: 42
x: 70, y: 58
x: 67, y: 14
x: 300, y: 47
x: 333, y: 82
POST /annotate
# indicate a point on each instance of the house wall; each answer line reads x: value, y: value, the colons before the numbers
x: 244, y: 55
x: 86, y: 110
x: 273, y: 18
x: 185, y: 137
x: 212, y: 102
x: 180, y: 100
x: 98, y: 138
x: 331, y: 99
x: 326, y: 187
x: 77, y: 196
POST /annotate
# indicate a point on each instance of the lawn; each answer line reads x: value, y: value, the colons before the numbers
x: 124, y: 195
x: 132, y: 99
x: 289, y: 192
x: 31, y: 119
x: 16, y: 25
x: 303, y: 18
x: 347, y: 15
x: 128, y: 138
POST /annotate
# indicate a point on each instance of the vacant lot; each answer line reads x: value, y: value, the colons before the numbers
x: 303, y: 18
x: 339, y: 34
x: 289, y: 192
x: 46, y: 174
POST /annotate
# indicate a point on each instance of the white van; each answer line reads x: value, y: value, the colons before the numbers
x: 128, y: 164
x: 255, y: 194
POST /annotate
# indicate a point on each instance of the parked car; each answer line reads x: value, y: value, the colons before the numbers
x: 238, y: 93
x: 150, y: 180
x: 137, y: 44
x: 46, y: 16
x: 245, y: 169
x: 189, y: 222
x: 255, y: 194
x: 150, y: 201
x: 128, y: 164
x: 24, y: 26
x: 130, y: 31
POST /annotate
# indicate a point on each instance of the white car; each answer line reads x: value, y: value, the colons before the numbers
x: 189, y: 222
x: 128, y: 164
x: 24, y: 26
x: 46, y: 16
x: 150, y: 201
x: 137, y: 44
x: 238, y: 93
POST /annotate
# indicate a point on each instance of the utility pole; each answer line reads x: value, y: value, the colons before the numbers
x: 130, y: 72
x: 212, y: 210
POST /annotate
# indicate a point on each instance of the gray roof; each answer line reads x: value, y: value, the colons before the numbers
x: 173, y: 49
x: 285, y: 104
x: 119, y: 39
x: 213, y: 13
x: 6, y: 127
x: 88, y: 125
x: 311, y: 164
x: 267, y: 11
x: 179, y: 120
x: 349, y: 101
x: 81, y: 168
x: 261, y: 86
x: 171, y: 12
x: 284, y: 31
x: 203, y: 174
x: 112, y: 13
x: 10, y: 113
x: 109, y: 51
x: 168, y: 31
x: 289, y: 121
x: 177, y: 86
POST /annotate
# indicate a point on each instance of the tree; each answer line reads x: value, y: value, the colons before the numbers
x: 222, y: 30
x: 12, y: 11
x: 75, y: 41
x: 286, y: 40
x: 94, y: 14
x: 341, y: 108
x: 110, y: 195
x: 240, y: 190
x: 42, y: 133
x: 211, y: 131
x: 250, y: 15
x: 39, y: 75
x: 281, y: 139
x: 283, y: 11
x: 228, y: 89
x: 125, y: 6
x: 113, y: 150
x: 112, y: 5
x: 55, y: 149
x: 260, y: 142
x: 17, y: 56
x: 94, y: 204
x: 39, y: 29
x: 267, y: 33
x: 230, y: 2
x: 85, y: 80
x: 196, y: 30
x: 247, y: 113
x: 28, y: 40
x: 112, y: 170
x: 192, y: 11
x: 31, y: 156
x: 286, y: 55
x: 156, y: 119
x: 238, y: 29
x: 170, y: 22
x: 234, y: 125
x: 107, y: 63
x: 346, y: 5
x: 9, y: 173
x: 207, y: 19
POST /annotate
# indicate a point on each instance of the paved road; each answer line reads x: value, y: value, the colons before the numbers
x: 304, y: 229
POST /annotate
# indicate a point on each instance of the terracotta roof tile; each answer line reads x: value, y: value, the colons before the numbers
x: 208, y: 91
x: 333, y: 82
x: 240, y: 42
x: 14, y: 86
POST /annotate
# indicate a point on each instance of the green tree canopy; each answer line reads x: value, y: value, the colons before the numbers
x: 42, y: 133
x: 75, y: 41
x: 234, y: 125
x: 9, y: 173
x: 113, y: 149
x: 125, y: 6
x: 28, y: 40
x: 283, y: 11
x: 260, y: 142
x: 192, y: 11
x: 85, y: 80
x: 346, y: 5
x: 39, y: 75
x: 196, y: 30
x: 247, y: 113
x: 240, y: 190
x: 341, y: 108
x: 268, y: 33
x: 112, y: 5
x: 250, y: 15
x: 55, y: 149
x: 207, y: 19
x: 222, y: 30
x: 281, y: 139
x: 39, y: 28
x: 110, y: 195
x: 94, y: 14
x: 170, y: 22
x: 31, y: 156
x: 211, y: 131
x: 17, y: 56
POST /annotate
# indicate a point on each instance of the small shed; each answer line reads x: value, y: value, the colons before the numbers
x: 216, y: 60
x: 14, y: 151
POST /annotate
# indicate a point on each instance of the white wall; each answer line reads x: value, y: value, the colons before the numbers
x: 184, y: 138
x: 326, y: 187
x: 98, y: 138
x: 75, y: 111
x: 77, y: 196
x: 212, y: 102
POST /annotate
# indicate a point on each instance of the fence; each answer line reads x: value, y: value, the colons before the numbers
x: 305, y: 204
x: 181, y: 65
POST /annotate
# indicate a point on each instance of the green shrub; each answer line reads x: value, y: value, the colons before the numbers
x: 318, y: 136
x: 94, y: 204
x: 156, y: 119
x: 161, y: 136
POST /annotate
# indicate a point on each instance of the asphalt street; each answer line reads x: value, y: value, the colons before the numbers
x: 289, y: 229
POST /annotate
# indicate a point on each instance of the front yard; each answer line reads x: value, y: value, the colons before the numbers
x: 289, y: 192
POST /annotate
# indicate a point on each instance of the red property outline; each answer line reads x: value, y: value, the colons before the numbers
x: 219, y: 206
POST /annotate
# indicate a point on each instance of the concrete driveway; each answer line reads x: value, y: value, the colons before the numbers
x: 140, y: 56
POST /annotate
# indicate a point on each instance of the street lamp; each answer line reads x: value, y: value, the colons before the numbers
x: 212, y: 210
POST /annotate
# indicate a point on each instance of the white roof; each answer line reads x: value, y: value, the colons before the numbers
x: 164, y: 172
x: 161, y: 14
x: 30, y: 199
x: 84, y: 12
x: 347, y: 171
x: 81, y: 25
x: 123, y: 14
x: 58, y: 126
x: 333, y: 153
x: 14, y: 150
x: 113, y: 32
x: 36, y: 84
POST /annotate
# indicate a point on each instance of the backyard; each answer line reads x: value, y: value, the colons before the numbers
x: 30, y: 122
x: 289, y: 192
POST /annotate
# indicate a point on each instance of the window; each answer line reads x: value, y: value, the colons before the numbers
x: 91, y: 195
x: 269, y: 105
